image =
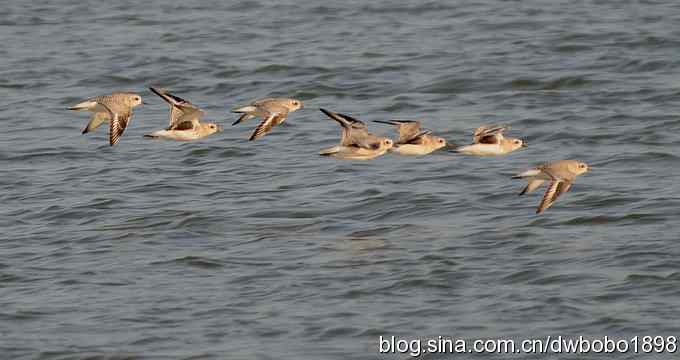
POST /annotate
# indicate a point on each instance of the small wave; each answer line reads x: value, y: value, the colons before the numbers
x: 609, y: 219
x: 639, y: 66
x: 457, y: 85
x: 566, y: 82
x: 194, y: 261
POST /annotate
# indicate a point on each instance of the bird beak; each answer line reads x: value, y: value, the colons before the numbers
x: 524, y: 144
x: 145, y: 103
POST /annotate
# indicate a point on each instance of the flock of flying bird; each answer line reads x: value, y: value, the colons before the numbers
x: 356, y: 142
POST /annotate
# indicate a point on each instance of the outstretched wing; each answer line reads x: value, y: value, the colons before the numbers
x: 489, y: 134
x: 117, y: 125
x: 97, y: 119
x: 189, y: 120
x: 178, y: 106
x: 354, y: 131
x: 555, y: 189
x: 267, y: 124
x: 409, y: 131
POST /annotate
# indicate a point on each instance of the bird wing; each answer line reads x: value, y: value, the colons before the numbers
x: 409, y: 131
x: 178, y: 106
x: 555, y: 189
x: 97, y: 119
x: 267, y: 124
x: 354, y: 131
x: 489, y: 134
x: 189, y: 120
x: 118, y: 123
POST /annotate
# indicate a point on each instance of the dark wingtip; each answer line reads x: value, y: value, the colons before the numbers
x: 84, y: 131
x: 240, y: 119
x: 255, y: 136
x: 155, y: 91
x: 388, y: 122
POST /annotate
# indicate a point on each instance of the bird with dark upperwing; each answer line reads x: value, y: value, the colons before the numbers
x: 185, y: 120
x: 356, y: 143
x: 413, y: 140
x: 489, y: 141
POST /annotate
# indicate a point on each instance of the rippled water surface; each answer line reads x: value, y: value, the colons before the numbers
x: 229, y: 249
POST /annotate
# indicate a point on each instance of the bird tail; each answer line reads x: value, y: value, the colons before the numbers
x: 83, y: 106
x: 329, y: 151
x: 245, y: 109
x: 526, y: 174
x: 155, y: 135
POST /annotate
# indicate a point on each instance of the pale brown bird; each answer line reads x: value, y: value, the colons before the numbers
x: 561, y: 174
x: 116, y: 109
x: 185, y: 124
x: 273, y: 111
x: 489, y: 141
x: 356, y: 143
x: 412, y: 139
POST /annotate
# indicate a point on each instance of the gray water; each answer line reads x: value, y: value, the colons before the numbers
x: 230, y: 249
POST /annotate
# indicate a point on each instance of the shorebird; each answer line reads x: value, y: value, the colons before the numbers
x: 185, y: 119
x: 561, y: 174
x: 116, y: 109
x: 273, y: 111
x: 489, y: 141
x: 412, y: 140
x: 356, y: 143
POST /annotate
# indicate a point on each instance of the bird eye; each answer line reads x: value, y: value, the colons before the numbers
x: 441, y: 141
x: 582, y: 166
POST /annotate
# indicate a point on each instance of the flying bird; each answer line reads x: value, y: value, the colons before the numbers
x: 356, y: 143
x: 560, y: 174
x: 489, y: 141
x: 116, y: 109
x: 412, y: 139
x: 273, y: 111
x: 185, y: 120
